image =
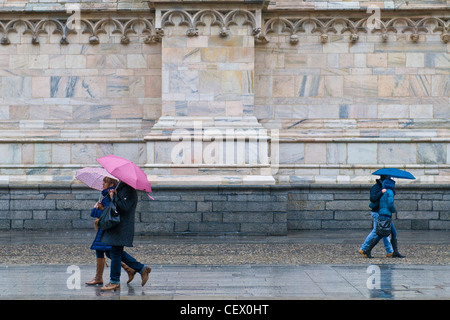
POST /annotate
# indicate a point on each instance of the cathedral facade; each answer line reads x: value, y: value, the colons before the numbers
x: 248, y: 116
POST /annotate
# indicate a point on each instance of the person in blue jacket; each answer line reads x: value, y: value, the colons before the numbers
x: 99, y: 247
x: 382, y: 203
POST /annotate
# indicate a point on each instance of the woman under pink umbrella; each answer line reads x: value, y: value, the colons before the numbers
x: 100, y: 248
x: 125, y: 199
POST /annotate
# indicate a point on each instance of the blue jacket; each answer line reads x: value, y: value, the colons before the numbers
x: 387, y: 207
x: 376, y: 193
x: 96, y: 213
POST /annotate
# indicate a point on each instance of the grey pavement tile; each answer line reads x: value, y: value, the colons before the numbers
x: 246, y: 280
x: 286, y: 282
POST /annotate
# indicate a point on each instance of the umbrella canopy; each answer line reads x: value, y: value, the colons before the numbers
x: 126, y: 171
x: 93, y: 177
x: 394, y: 173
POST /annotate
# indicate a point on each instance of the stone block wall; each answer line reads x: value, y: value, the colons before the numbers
x: 219, y: 210
x: 346, y: 207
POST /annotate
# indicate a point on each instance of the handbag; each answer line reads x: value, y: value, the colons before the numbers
x: 110, y: 217
x: 383, y: 227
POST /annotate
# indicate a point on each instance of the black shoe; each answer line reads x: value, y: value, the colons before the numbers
x: 395, y: 247
x: 397, y: 255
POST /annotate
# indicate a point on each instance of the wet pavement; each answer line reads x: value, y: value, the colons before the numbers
x: 234, y: 282
x: 366, y: 279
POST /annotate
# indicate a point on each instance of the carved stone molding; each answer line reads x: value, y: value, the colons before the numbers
x: 353, y: 26
x: 121, y: 26
x: 292, y: 25
x: 91, y: 26
x: 222, y: 18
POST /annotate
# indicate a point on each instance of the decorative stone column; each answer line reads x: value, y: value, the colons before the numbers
x: 207, y: 128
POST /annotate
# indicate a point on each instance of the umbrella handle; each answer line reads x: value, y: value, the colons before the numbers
x: 148, y: 194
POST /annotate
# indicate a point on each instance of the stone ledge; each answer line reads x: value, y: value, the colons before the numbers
x: 354, y: 5
x: 272, y: 6
x: 218, y: 188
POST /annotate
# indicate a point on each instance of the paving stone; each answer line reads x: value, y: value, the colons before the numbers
x: 301, y: 265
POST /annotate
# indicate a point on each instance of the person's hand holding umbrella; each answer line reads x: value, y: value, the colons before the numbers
x: 112, y: 193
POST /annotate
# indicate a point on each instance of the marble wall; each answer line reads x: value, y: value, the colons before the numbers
x: 337, y: 99
x: 80, y: 81
x: 65, y: 103
x: 345, y: 99
x: 352, y: 100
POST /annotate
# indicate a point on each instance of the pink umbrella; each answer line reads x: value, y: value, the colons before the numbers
x: 93, y: 177
x: 126, y: 171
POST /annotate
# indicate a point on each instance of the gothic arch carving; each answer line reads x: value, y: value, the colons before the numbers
x: 291, y: 25
x: 35, y: 28
x: 94, y: 27
x: 341, y: 25
x: 222, y: 18
x: 120, y: 26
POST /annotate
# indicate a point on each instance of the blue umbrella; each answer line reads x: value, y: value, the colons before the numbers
x: 394, y: 173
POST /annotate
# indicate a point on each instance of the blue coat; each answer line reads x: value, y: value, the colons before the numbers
x: 375, y: 195
x: 96, y: 213
x: 387, y: 207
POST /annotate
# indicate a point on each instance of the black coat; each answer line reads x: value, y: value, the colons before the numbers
x: 375, y: 195
x: 123, y: 234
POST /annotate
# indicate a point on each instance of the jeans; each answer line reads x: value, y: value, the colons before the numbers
x: 117, y: 255
x: 372, y: 235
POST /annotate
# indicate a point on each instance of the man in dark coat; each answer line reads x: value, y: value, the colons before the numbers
x: 376, y: 192
x: 125, y: 199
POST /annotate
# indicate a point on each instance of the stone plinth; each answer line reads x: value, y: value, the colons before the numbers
x: 207, y: 124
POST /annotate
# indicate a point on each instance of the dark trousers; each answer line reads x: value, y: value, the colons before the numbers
x: 117, y: 255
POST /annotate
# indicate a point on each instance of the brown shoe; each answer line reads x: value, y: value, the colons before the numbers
x: 130, y: 272
x: 110, y: 287
x: 98, y: 279
x: 145, y: 273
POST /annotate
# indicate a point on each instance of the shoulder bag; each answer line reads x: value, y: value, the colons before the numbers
x: 383, y: 227
x: 110, y: 217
